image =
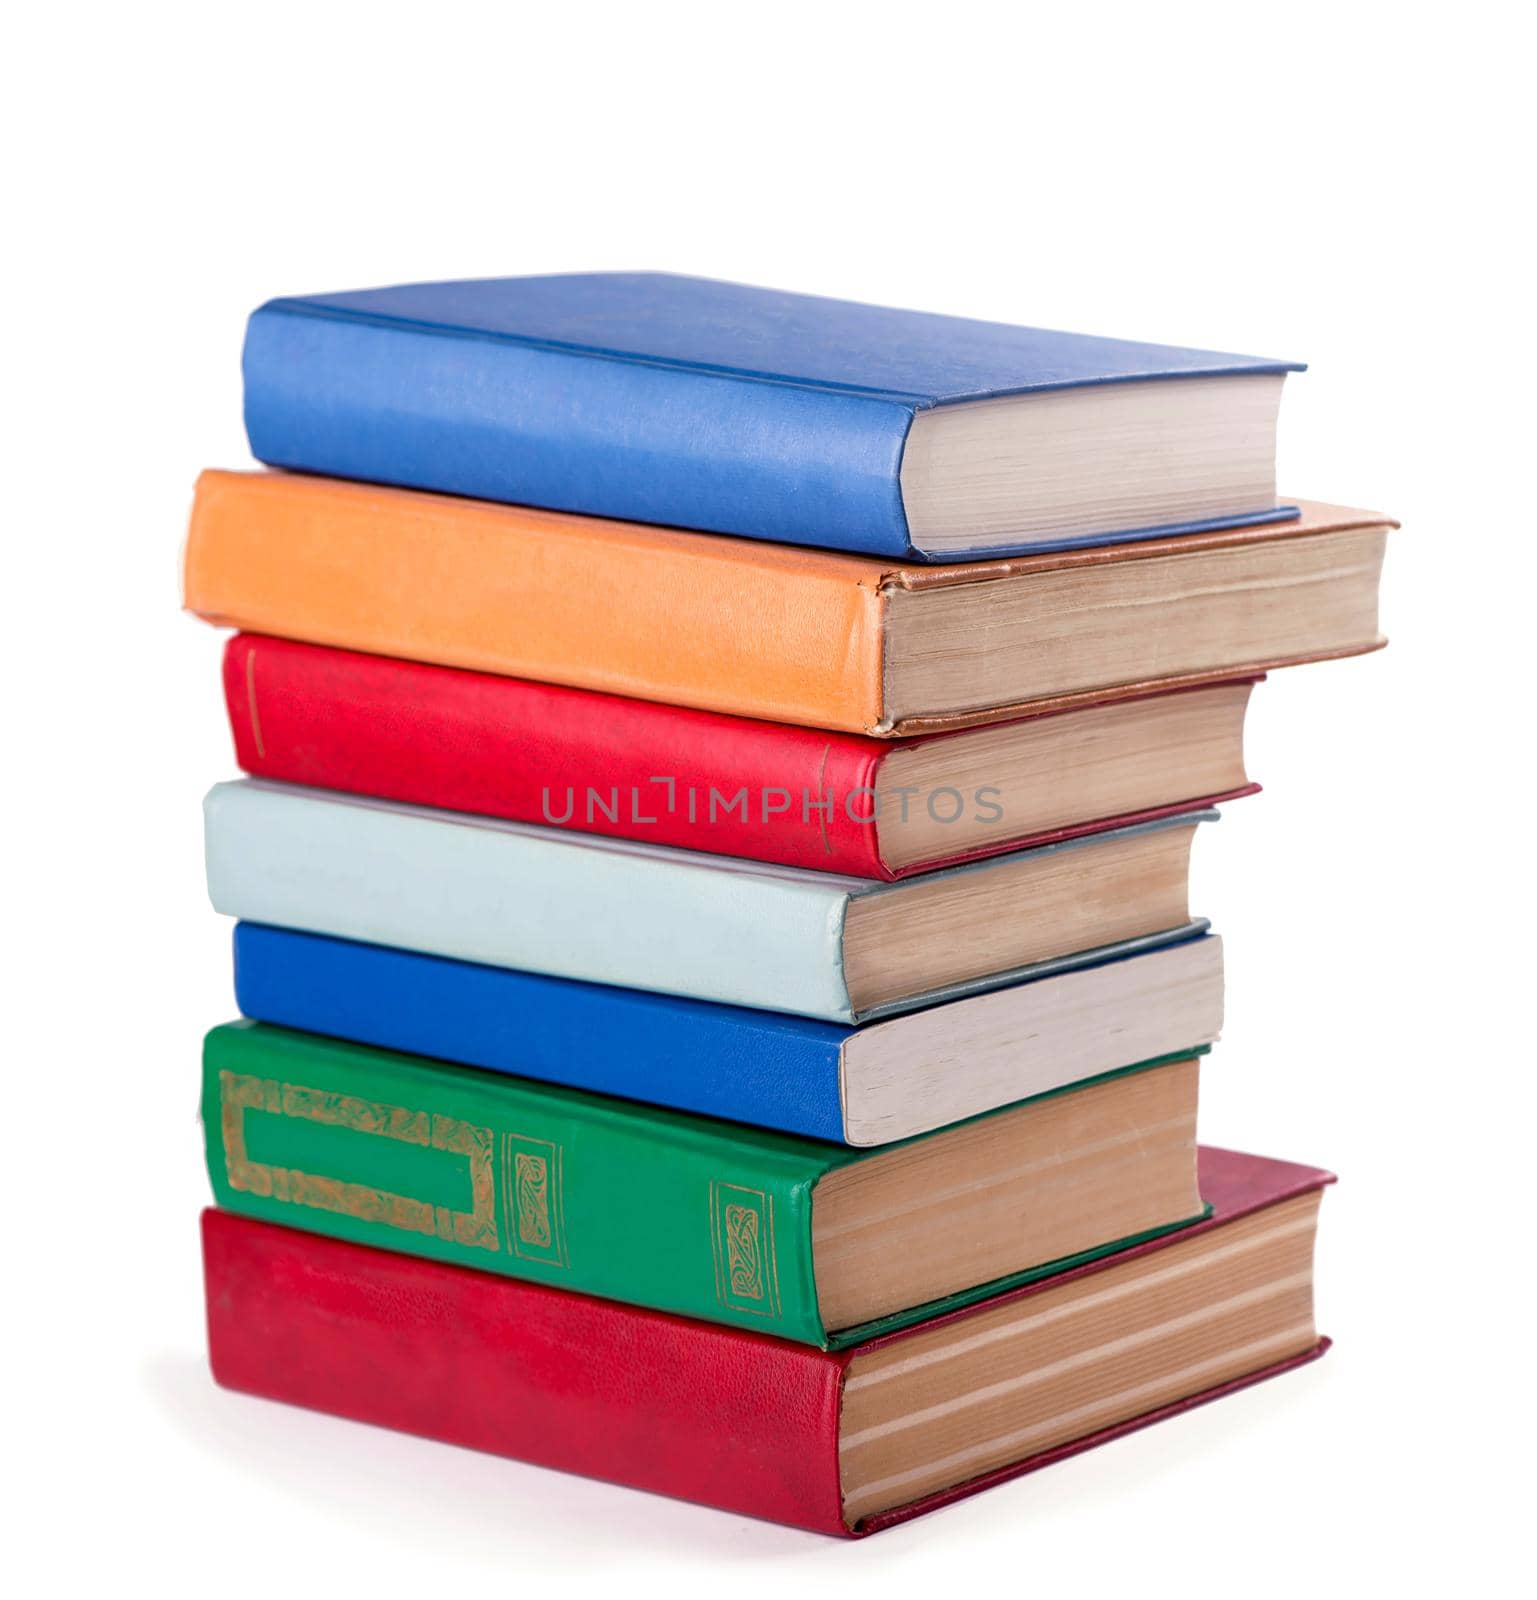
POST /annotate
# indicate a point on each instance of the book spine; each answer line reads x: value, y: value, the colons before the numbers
x: 483, y: 1171
x: 540, y: 753
x: 725, y: 1418
x: 756, y: 1067
x: 536, y: 900
x: 502, y: 419
x: 689, y: 619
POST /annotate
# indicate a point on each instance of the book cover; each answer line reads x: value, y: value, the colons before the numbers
x: 691, y: 619
x: 766, y: 1068
x: 595, y: 763
x: 659, y: 398
x: 726, y: 1417
x: 630, y: 1202
x: 582, y: 906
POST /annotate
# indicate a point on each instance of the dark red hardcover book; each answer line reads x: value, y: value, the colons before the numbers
x: 725, y: 1417
x: 602, y: 763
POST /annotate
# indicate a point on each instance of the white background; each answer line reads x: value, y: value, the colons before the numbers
x: 1334, y: 183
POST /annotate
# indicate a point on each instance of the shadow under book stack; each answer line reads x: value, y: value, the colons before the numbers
x: 721, y: 1010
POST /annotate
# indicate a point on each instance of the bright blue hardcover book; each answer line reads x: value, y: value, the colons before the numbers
x: 866, y: 1085
x: 738, y: 410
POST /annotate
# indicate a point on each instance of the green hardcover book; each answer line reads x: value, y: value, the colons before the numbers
x: 814, y: 1242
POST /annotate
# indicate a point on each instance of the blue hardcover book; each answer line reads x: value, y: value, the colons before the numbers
x: 867, y: 1085
x: 777, y: 416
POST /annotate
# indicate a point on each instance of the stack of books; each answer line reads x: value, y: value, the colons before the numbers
x: 721, y: 1010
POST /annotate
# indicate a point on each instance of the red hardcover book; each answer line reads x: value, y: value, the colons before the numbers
x: 843, y: 1443
x: 804, y: 797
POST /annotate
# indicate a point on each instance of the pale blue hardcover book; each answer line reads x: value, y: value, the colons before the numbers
x: 717, y: 928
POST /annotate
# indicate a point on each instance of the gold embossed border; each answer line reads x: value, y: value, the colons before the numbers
x: 533, y: 1199
x: 239, y: 1093
x: 742, y: 1236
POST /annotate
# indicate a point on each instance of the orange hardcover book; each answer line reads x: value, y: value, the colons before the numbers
x: 773, y: 631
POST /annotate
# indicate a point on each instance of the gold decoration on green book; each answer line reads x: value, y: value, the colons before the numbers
x: 532, y: 1174
x: 746, y: 1267
x: 533, y: 1200
x: 239, y: 1093
x: 742, y: 1230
